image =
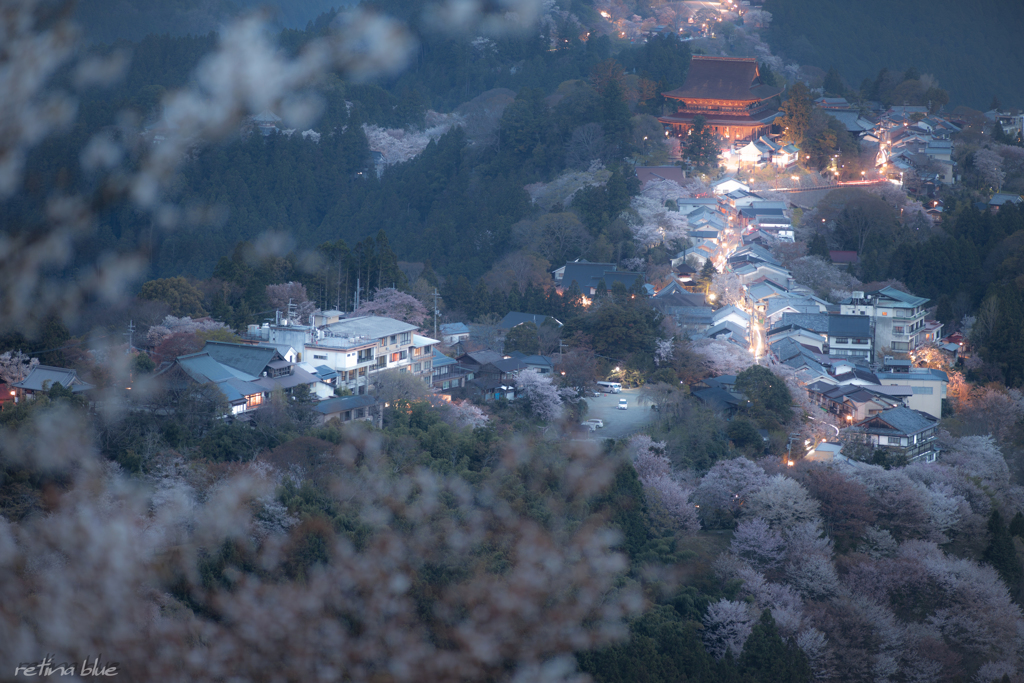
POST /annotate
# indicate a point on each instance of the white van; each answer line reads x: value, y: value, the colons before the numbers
x: 610, y: 387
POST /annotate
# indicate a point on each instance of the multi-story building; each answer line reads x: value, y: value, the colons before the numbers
x: 849, y: 336
x: 358, y: 348
x: 927, y: 386
x: 897, y: 318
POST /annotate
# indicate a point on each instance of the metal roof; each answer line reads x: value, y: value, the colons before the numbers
x: 513, y: 319
x: 848, y: 326
x: 369, y: 326
x: 248, y: 359
x: 338, y: 405
x: 42, y: 377
x: 441, y: 360
x: 902, y: 420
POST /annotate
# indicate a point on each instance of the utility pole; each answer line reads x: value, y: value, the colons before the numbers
x: 435, y: 311
x: 356, y: 307
x: 131, y: 332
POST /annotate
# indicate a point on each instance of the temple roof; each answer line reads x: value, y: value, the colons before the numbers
x: 683, y: 116
x: 723, y: 78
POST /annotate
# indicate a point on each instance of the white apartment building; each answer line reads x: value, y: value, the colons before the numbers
x: 358, y: 348
x: 897, y: 318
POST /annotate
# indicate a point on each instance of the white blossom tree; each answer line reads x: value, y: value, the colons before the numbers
x: 758, y: 544
x: 15, y: 366
x: 184, y: 325
x: 664, y: 493
x: 540, y: 395
x: 726, y: 488
x: 389, y: 302
x: 783, y: 502
x: 990, y: 167
x: 465, y: 414
x: 727, y: 625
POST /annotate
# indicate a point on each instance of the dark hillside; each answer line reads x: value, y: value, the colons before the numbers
x: 972, y: 48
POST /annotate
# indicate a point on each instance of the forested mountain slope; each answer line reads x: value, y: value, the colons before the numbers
x: 107, y: 21
x: 972, y: 48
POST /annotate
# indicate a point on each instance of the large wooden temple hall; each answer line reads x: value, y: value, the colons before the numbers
x: 729, y: 93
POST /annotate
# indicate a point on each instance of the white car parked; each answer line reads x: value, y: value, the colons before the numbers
x: 623, y: 404
x: 597, y: 422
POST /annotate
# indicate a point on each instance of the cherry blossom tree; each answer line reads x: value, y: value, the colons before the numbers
x: 758, y: 544
x: 182, y: 326
x: 664, y: 350
x: 663, y: 492
x: 990, y: 167
x: 783, y: 502
x: 723, y: 357
x: 399, y: 145
x: 725, y: 489
x: 727, y: 625
x: 539, y: 394
x: 652, y: 223
x: 392, y: 303
x: 15, y: 366
x: 294, y: 293
x: 727, y: 289
x: 465, y: 414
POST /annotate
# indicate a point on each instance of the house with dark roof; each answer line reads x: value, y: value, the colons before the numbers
x: 241, y: 395
x: 542, y: 364
x: 583, y: 273
x: 690, y: 311
x: 513, y: 319
x: 652, y: 174
x: 1001, y: 198
x: 902, y: 431
x: 42, y: 377
x: 851, y: 403
x: 720, y: 400
x: 729, y: 93
x: 850, y: 336
x: 349, y: 408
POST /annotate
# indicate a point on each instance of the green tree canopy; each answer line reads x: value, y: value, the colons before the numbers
x: 183, y: 297
x: 523, y: 338
x: 770, y: 400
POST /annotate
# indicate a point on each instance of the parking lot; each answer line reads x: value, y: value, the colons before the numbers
x: 617, y: 423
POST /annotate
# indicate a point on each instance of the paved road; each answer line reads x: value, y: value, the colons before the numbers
x: 618, y: 423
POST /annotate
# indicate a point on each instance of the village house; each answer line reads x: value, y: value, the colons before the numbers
x: 349, y: 408
x: 42, y: 377
x: 902, y: 431
x: 453, y: 333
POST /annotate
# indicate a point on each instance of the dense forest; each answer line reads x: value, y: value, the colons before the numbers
x: 103, y: 21
x: 453, y: 205
x: 966, y: 46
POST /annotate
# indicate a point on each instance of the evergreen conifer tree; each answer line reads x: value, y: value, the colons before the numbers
x: 1017, y: 525
x: 1001, y: 553
x: 767, y: 659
